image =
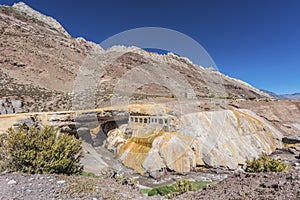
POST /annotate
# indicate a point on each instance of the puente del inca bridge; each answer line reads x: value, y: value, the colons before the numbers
x: 94, y: 124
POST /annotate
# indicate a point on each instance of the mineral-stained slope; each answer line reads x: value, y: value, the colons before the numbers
x: 213, y: 139
x: 229, y: 137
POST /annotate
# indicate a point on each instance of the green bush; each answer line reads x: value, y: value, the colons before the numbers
x: 181, y: 186
x: 44, y: 151
x: 3, y: 154
x: 265, y: 164
x: 163, y: 190
x: 89, y: 174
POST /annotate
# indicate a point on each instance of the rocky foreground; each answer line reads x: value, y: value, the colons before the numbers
x: 253, y: 186
x: 236, y: 186
x: 16, y: 186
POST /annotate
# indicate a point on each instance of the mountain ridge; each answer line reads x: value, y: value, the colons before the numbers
x: 22, y: 7
x: 38, y: 55
x: 295, y: 95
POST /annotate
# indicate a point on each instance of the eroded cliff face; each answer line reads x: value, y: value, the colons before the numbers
x: 212, y: 139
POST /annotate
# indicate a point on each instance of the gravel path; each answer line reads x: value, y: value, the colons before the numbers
x: 34, y: 187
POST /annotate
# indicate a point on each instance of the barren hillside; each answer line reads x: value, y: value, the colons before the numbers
x: 39, y: 62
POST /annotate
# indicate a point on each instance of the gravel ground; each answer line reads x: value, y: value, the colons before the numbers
x: 32, y: 187
x: 236, y: 186
x: 271, y: 186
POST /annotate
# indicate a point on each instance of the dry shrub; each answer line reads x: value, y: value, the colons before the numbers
x: 43, y: 151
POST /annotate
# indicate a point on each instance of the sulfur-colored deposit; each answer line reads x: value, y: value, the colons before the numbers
x: 212, y: 139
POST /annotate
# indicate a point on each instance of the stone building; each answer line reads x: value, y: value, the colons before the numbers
x: 151, y: 121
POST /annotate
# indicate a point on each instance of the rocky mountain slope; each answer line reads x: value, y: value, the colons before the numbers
x: 39, y: 62
x: 284, y: 114
x: 290, y: 96
x: 283, y: 96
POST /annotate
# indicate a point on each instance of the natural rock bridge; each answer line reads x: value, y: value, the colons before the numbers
x: 91, y: 125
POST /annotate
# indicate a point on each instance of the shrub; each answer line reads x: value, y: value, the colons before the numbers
x: 34, y: 150
x: 181, y: 186
x: 265, y: 164
x: 163, y: 190
x: 3, y: 154
x: 89, y: 174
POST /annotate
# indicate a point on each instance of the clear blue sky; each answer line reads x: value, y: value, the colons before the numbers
x: 257, y: 41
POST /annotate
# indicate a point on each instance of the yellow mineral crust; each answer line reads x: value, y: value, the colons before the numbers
x: 161, y: 150
x: 221, y: 138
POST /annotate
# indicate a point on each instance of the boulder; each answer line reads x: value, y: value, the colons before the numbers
x: 10, y: 106
x: 28, y: 122
x: 84, y: 133
x: 115, y: 137
x: 17, y: 105
x: 291, y: 139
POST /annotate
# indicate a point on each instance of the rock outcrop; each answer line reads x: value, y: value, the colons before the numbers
x: 52, y: 23
x: 95, y: 121
x: 284, y: 114
x: 229, y: 137
x: 293, y: 139
x: 10, y: 106
x: 210, y: 139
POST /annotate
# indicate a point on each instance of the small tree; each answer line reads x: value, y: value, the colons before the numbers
x: 34, y: 150
x: 183, y: 186
x: 265, y: 164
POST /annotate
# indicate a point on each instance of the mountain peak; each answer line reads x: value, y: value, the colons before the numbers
x: 22, y: 7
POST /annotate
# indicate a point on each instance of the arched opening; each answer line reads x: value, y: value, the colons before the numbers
x: 107, y: 126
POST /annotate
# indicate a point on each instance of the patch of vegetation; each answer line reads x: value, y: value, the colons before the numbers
x: 181, y: 186
x: 43, y: 151
x: 90, y: 174
x: 3, y: 154
x: 265, y: 164
x: 79, y: 188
